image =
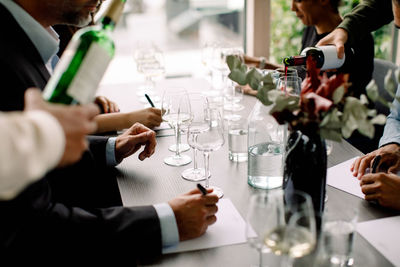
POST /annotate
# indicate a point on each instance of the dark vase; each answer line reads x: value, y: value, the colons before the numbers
x: 305, y: 167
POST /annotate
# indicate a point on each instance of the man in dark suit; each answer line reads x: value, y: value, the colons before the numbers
x: 55, y: 217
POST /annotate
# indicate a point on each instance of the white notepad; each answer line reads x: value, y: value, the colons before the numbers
x: 341, y: 177
x: 228, y: 230
x: 384, y: 235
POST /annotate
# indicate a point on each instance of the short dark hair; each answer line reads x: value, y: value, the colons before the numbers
x: 336, y: 3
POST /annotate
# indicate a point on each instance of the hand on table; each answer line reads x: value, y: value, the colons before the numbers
x: 382, y: 187
x: 132, y: 140
x: 390, y: 160
x: 194, y: 213
x: 106, y: 104
x: 337, y: 37
x: 150, y: 117
x: 76, y: 121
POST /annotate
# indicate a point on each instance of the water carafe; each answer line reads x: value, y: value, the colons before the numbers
x: 266, y: 149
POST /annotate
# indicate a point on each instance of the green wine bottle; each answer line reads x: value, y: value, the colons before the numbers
x: 84, y: 62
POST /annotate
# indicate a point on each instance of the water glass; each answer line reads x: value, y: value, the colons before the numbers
x: 237, y: 140
x: 338, y: 236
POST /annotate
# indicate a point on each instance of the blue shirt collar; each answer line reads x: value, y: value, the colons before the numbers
x: 45, y: 40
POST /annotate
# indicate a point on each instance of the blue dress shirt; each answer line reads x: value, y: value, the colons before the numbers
x: 391, y: 132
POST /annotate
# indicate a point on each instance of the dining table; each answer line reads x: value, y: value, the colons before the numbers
x: 152, y: 181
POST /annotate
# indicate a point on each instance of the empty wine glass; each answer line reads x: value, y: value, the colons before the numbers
x: 293, y: 227
x: 233, y: 95
x: 153, y: 66
x: 198, y: 124
x: 176, y: 110
x: 211, y: 140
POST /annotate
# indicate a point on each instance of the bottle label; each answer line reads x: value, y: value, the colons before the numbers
x: 84, y: 85
x: 331, y: 59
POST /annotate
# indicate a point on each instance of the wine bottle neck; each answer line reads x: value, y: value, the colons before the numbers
x: 295, y: 61
x: 112, y: 15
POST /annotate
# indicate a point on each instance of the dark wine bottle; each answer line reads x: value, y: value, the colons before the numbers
x: 325, y: 57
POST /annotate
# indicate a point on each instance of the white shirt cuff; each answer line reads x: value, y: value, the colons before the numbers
x: 169, y: 228
x: 110, y: 152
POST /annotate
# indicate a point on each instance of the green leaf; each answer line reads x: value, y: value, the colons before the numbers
x: 238, y: 76
x: 338, y: 94
x: 397, y: 75
x: 334, y: 135
x: 364, y: 99
x: 253, y: 78
x: 380, y: 119
x: 233, y: 62
x: 390, y: 84
x: 372, y: 90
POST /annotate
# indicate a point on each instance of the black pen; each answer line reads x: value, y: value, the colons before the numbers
x: 148, y: 99
x: 202, y: 189
x: 377, y: 159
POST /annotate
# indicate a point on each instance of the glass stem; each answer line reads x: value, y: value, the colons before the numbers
x: 287, y: 261
x: 194, y: 159
x: 206, y: 167
x: 260, y: 260
x: 177, y: 138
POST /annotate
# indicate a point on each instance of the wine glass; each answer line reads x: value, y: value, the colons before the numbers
x: 293, y: 225
x: 211, y: 140
x: 290, y: 84
x: 176, y: 110
x: 233, y: 94
x: 258, y: 219
x: 198, y: 124
x: 152, y: 67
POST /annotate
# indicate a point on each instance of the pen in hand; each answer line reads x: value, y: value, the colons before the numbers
x: 149, y: 99
x: 377, y: 159
x: 202, y: 189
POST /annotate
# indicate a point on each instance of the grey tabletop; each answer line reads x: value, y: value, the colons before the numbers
x: 152, y: 181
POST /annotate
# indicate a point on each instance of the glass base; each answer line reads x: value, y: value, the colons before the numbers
x: 232, y: 117
x: 177, y: 161
x: 194, y: 175
x: 217, y: 191
x: 182, y: 148
x: 235, y: 107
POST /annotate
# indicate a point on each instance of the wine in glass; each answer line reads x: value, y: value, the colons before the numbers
x: 211, y: 140
x: 198, y: 124
x: 176, y: 111
x: 293, y: 233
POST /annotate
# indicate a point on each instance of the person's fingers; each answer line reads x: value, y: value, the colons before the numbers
x: 368, y: 189
x: 211, y: 199
x: 340, y: 50
x: 371, y: 197
x: 367, y: 179
x: 211, y: 219
x: 354, y: 166
x: 197, y: 191
x: 33, y: 98
x: 212, y: 209
x: 364, y: 164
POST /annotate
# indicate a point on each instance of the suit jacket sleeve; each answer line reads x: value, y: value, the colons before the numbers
x: 366, y: 17
x: 97, y: 147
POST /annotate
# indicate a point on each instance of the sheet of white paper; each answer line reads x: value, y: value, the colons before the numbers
x: 384, y: 235
x: 340, y: 177
x: 228, y: 230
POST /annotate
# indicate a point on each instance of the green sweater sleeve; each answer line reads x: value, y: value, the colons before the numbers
x: 366, y: 17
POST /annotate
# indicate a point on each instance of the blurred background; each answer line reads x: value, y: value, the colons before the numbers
x: 182, y: 30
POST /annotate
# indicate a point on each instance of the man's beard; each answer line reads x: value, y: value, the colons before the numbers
x: 78, y: 19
